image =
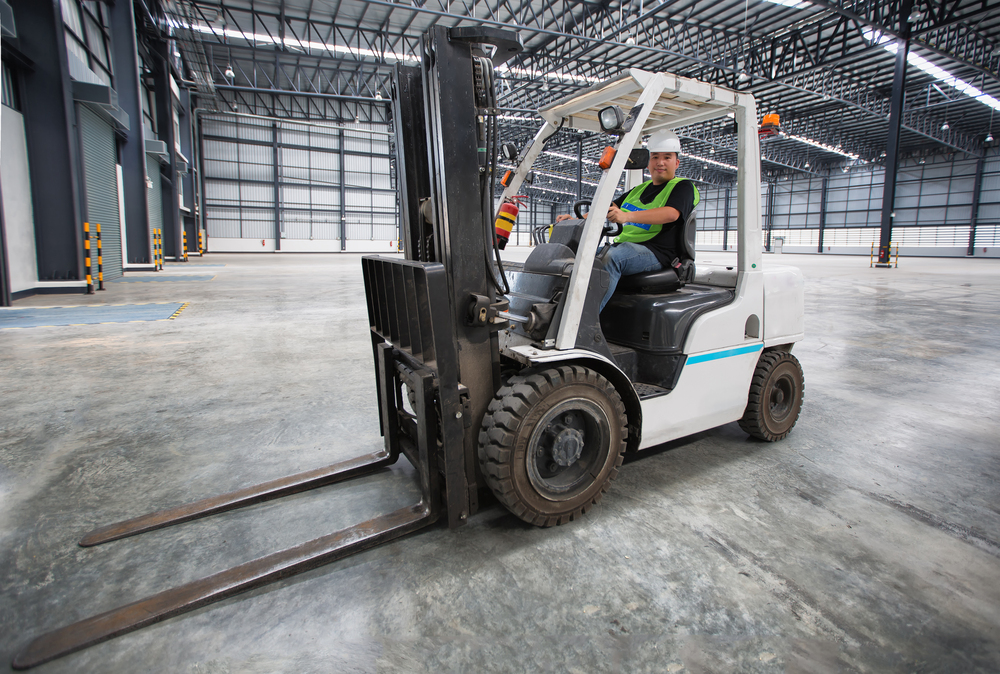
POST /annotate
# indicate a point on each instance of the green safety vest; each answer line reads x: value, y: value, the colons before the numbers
x: 635, y: 232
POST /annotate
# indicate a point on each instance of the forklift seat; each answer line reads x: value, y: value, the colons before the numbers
x: 669, y: 279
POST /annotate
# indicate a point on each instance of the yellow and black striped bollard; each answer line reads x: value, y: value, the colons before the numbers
x: 201, y: 242
x: 86, y: 258
x: 100, y: 260
x: 185, y: 239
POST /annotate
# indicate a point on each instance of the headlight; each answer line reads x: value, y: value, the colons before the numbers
x: 611, y: 118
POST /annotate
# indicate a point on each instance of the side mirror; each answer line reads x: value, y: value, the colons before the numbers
x: 637, y: 159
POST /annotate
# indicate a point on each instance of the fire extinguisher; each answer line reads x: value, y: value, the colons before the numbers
x: 505, y: 220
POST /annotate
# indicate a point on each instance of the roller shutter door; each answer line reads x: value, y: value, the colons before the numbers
x: 154, y: 195
x: 100, y: 157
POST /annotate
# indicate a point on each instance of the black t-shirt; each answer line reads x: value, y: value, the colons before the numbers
x: 667, y: 244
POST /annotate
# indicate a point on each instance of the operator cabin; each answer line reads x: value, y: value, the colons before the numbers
x: 652, y: 216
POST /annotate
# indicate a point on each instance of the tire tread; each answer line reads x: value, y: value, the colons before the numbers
x: 511, y: 405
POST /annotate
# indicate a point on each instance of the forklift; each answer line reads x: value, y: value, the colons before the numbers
x: 506, y: 377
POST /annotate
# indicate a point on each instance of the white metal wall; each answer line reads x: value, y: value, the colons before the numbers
x: 933, y: 210
x: 334, y: 185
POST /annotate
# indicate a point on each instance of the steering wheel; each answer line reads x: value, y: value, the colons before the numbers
x: 610, y: 228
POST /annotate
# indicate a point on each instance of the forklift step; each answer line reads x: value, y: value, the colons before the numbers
x: 645, y: 391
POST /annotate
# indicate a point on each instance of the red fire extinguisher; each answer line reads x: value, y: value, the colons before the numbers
x: 505, y: 220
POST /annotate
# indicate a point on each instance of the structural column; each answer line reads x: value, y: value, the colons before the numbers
x: 172, y: 233
x: 185, y: 176
x: 822, y: 213
x: 768, y: 214
x: 132, y: 148
x: 976, y: 193
x: 5, y: 300
x: 50, y: 134
x: 343, y: 194
x: 895, y: 121
x: 277, y: 187
x: 725, y: 222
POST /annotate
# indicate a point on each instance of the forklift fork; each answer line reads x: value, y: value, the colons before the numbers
x: 412, y: 343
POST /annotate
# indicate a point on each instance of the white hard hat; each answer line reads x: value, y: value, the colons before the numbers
x: 664, y: 140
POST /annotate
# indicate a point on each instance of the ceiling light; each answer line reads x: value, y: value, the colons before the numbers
x: 945, y: 126
x: 807, y: 165
x: 229, y: 72
x: 712, y: 149
x: 989, y: 138
x: 378, y: 95
x: 743, y: 77
x: 797, y: 4
x: 706, y: 160
x: 822, y: 146
x: 916, y: 16
x: 921, y: 161
x: 940, y: 74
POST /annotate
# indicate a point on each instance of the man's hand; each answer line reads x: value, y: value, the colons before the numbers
x: 617, y: 215
x: 564, y: 216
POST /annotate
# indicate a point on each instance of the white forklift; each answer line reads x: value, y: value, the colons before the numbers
x: 674, y: 352
x: 521, y: 388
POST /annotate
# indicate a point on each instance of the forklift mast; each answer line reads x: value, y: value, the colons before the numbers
x: 446, y: 145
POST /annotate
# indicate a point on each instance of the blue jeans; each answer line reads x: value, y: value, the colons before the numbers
x: 625, y: 259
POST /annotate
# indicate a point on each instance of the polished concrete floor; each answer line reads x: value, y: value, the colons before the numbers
x: 864, y: 542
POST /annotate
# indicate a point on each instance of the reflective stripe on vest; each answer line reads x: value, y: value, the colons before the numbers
x: 636, y: 232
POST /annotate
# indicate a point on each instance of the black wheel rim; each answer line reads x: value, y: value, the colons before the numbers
x: 568, y: 448
x: 781, y: 397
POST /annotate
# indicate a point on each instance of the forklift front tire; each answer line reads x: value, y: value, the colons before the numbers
x: 775, y: 398
x: 551, y: 442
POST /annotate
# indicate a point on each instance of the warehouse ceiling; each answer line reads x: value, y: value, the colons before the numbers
x: 826, y: 67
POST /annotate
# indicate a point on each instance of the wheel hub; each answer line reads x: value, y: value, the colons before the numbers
x: 567, y: 447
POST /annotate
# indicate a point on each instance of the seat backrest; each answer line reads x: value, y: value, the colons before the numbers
x: 687, y: 236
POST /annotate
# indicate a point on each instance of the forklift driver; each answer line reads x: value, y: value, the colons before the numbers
x: 652, y: 215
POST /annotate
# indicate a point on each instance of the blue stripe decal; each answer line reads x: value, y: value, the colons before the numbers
x: 704, y: 357
x: 630, y: 207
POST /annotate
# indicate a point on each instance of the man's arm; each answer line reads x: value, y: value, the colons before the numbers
x: 653, y: 216
x: 569, y: 216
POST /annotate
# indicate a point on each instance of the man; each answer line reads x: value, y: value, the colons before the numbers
x: 652, y: 215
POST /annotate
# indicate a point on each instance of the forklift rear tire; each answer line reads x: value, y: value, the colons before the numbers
x: 551, y: 442
x: 775, y: 399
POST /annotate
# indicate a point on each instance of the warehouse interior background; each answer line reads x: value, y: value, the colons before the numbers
x: 235, y: 126
x: 239, y: 156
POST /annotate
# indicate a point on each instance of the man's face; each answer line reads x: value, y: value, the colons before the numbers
x: 663, y: 166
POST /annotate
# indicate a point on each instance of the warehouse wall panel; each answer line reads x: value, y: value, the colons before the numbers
x: 933, y: 209
x: 329, y: 180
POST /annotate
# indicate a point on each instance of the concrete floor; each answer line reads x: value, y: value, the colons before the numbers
x: 864, y: 542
